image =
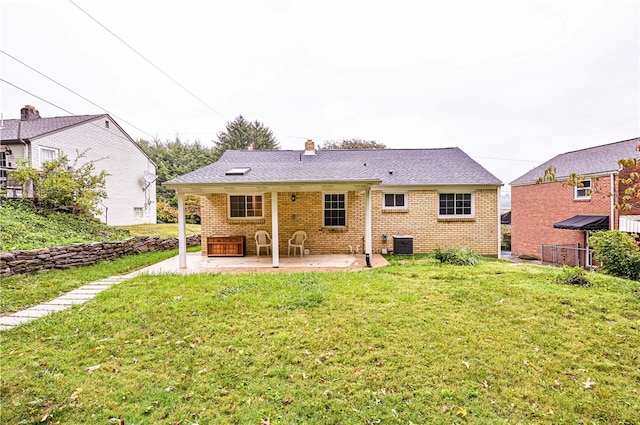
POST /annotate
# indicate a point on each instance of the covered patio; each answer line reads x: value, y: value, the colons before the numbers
x: 252, y: 264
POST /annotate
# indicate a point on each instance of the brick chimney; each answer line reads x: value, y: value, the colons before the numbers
x: 29, y: 113
x: 309, y: 147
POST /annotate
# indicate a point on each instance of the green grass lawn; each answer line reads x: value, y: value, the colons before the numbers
x: 166, y: 230
x: 25, y: 290
x: 409, y: 343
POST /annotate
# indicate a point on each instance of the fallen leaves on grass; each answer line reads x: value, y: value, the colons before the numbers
x: 588, y: 384
x: 75, y: 395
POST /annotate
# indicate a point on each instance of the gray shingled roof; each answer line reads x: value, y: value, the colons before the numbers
x: 446, y: 166
x: 597, y: 160
x: 15, y: 129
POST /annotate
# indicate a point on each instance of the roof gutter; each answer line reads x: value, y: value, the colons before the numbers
x: 564, y: 178
x: 243, y: 187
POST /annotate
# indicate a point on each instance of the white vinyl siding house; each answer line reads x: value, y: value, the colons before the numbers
x: 130, y: 198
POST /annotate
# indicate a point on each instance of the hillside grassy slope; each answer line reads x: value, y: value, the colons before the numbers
x: 21, y: 227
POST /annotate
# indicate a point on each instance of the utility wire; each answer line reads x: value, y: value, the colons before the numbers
x: 36, y: 96
x: 199, y: 99
x: 61, y: 108
x: 507, y: 159
x: 77, y: 94
x: 149, y: 62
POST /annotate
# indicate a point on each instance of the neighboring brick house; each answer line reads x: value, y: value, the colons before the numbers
x: 349, y: 200
x: 562, y: 214
x: 131, y: 187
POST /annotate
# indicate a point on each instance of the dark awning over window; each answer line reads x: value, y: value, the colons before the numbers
x: 505, y: 218
x: 584, y: 222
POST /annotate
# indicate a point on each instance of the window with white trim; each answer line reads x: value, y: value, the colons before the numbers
x: 3, y: 173
x: 395, y: 201
x: 455, y: 205
x: 583, y: 189
x: 245, y: 206
x: 335, y: 210
x: 48, y: 154
x: 138, y: 212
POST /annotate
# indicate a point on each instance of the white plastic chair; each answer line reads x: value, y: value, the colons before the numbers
x: 297, y: 241
x: 263, y: 240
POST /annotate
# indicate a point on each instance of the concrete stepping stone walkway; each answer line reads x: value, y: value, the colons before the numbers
x: 77, y: 296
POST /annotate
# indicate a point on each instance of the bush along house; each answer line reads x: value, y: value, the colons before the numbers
x: 345, y: 201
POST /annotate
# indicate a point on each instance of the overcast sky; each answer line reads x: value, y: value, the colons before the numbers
x: 512, y: 83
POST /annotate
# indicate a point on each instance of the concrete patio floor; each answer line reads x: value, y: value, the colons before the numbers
x: 196, y: 263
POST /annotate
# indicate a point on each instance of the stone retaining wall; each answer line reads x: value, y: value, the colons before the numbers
x: 83, y: 254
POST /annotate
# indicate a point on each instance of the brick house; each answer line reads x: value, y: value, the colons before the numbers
x: 130, y: 185
x: 561, y: 214
x: 348, y: 200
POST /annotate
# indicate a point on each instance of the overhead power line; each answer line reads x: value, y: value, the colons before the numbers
x: 76, y: 93
x: 149, y: 62
x: 59, y: 107
x: 507, y: 159
x: 192, y: 94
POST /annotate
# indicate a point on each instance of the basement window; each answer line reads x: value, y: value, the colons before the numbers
x: 239, y: 171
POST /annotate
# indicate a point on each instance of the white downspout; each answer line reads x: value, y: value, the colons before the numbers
x: 367, y: 223
x: 275, y: 249
x: 182, y: 233
x: 499, y: 226
x: 612, y: 220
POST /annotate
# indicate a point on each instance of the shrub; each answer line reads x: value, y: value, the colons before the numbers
x: 165, y: 213
x: 573, y: 276
x: 618, y: 252
x: 62, y: 185
x: 456, y: 256
x: 505, y: 244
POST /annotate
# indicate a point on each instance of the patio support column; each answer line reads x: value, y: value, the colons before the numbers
x: 499, y: 227
x: 182, y: 233
x: 275, y: 249
x: 367, y: 222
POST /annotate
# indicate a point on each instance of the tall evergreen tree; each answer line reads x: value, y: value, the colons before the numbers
x: 174, y: 158
x: 241, y: 134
